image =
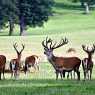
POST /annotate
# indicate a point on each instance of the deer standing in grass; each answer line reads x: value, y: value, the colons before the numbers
x: 60, y: 64
x: 15, y: 63
x: 87, y: 63
x: 33, y: 61
x: 2, y: 65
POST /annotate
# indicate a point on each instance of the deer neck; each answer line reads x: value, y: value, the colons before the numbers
x: 19, y: 58
x: 51, y: 59
x: 89, y: 57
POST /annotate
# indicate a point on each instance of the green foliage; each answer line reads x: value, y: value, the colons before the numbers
x: 25, y: 12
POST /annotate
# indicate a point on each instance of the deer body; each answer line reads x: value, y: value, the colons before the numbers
x: 61, y: 64
x: 87, y: 63
x: 31, y: 61
x: 2, y: 65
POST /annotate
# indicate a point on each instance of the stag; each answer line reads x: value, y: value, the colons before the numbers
x: 15, y: 63
x: 87, y: 63
x: 2, y: 65
x: 31, y: 61
x: 60, y: 64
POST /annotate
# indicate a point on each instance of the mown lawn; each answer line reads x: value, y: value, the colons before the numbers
x: 68, y: 21
x: 47, y: 87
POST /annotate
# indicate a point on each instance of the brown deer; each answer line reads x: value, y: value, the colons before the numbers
x: 60, y: 64
x: 15, y: 63
x: 2, y: 65
x: 33, y: 61
x: 87, y: 63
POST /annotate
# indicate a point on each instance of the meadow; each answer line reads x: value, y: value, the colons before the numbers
x: 68, y: 21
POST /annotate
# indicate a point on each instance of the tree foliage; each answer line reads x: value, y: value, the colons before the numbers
x: 25, y: 12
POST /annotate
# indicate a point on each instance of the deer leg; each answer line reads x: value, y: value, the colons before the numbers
x: 78, y: 74
x: 90, y: 73
x: 84, y: 75
x: 71, y: 74
x: 15, y: 74
x: 38, y: 67
x: 68, y: 75
x: 61, y: 75
x: 3, y: 73
x: 57, y: 73
x: 11, y: 74
x: 34, y: 66
x: 74, y: 75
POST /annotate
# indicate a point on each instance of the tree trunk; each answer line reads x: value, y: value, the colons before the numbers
x: 86, y: 8
x: 82, y: 4
x: 11, y: 26
x: 22, y: 25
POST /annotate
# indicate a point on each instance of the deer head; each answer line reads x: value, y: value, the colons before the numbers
x: 18, y: 52
x: 89, y: 51
x: 49, y: 46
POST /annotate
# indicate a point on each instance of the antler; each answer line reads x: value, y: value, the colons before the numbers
x: 93, y: 49
x: 23, y: 46
x: 87, y: 50
x: 55, y: 45
x: 45, y: 42
x: 15, y: 47
x: 62, y: 42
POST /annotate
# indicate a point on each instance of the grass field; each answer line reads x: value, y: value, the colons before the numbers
x: 68, y: 21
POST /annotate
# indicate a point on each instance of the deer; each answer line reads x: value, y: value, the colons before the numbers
x: 31, y: 61
x: 87, y: 63
x: 60, y: 64
x: 2, y: 65
x: 15, y: 63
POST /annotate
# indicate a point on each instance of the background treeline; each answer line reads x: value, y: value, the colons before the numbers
x: 24, y: 13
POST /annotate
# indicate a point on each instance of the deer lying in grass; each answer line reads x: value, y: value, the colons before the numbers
x: 2, y: 65
x: 60, y: 64
x: 15, y: 63
x: 87, y: 63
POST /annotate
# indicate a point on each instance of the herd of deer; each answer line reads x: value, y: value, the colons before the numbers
x: 60, y: 64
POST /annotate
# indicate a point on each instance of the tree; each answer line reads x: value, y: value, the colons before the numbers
x: 8, y: 12
x: 33, y: 13
x: 25, y: 13
x: 86, y: 4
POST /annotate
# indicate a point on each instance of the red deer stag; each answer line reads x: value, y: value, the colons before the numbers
x: 2, y: 65
x: 60, y: 64
x: 31, y: 61
x: 87, y: 63
x: 15, y: 63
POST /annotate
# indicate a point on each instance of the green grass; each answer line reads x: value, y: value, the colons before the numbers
x: 68, y: 21
x: 47, y: 87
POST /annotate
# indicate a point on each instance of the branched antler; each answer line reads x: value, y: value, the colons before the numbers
x: 48, y: 43
x: 86, y: 49
x: 15, y: 47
